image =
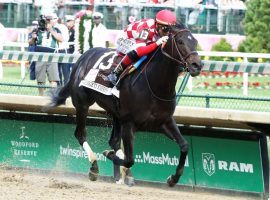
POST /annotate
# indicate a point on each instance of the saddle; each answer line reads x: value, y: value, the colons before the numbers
x: 97, y: 80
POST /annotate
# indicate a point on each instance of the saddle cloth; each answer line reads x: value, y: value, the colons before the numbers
x: 97, y: 80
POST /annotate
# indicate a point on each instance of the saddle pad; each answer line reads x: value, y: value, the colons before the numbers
x: 96, y: 79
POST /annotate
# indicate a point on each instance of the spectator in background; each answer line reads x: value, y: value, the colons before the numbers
x: 60, y: 4
x: 63, y: 68
x: 99, y: 32
x: 44, y: 7
x: 194, y: 14
x: 32, y: 39
x: 211, y: 3
x: 48, y: 41
x: 131, y: 19
x: 134, y: 14
x: 70, y: 21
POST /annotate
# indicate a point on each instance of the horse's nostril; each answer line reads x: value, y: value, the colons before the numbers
x: 195, y: 69
x: 197, y: 65
x: 194, y: 65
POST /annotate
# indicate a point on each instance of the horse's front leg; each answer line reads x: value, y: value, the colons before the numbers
x: 125, y: 159
x: 121, y: 174
x: 80, y: 134
x: 171, y: 130
x: 127, y: 133
x: 115, y: 144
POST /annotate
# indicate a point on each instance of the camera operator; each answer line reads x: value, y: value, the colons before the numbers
x: 48, y: 39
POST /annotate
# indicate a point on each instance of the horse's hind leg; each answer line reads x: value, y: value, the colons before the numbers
x: 80, y: 134
x: 171, y: 130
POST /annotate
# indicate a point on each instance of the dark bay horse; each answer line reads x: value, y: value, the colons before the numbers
x: 147, y: 98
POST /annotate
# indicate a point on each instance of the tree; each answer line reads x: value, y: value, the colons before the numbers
x: 224, y: 46
x: 257, y: 27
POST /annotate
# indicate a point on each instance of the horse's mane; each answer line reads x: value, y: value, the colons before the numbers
x: 178, y: 25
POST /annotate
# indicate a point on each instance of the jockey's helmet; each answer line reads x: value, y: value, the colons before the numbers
x: 166, y: 17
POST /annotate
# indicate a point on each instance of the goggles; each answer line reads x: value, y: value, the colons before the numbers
x: 164, y: 28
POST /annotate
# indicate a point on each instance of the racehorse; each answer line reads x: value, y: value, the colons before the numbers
x: 147, y: 98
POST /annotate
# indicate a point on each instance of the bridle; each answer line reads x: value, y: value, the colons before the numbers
x: 183, y: 59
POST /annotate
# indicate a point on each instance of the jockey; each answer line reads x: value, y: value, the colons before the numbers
x: 141, y: 38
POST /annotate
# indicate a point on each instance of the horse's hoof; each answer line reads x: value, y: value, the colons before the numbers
x: 93, y: 173
x: 120, y: 182
x: 92, y: 176
x: 129, y: 180
x: 109, y: 154
x: 170, y: 181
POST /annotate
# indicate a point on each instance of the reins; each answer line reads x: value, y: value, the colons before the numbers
x: 147, y: 81
x: 154, y: 95
x: 182, y: 61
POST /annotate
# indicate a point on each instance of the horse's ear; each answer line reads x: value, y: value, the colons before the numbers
x: 172, y: 28
x: 180, y: 25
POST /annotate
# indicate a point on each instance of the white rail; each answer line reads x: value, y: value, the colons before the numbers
x: 234, y: 54
x: 245, y: 56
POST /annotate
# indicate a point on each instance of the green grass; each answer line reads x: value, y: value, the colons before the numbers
x: 12, y: 75
x: 255, y: 93
x: 199, y: 81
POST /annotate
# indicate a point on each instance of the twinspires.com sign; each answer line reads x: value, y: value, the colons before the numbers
x: 211, y: 162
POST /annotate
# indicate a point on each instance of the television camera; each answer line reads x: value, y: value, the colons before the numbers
x: 42, y: 23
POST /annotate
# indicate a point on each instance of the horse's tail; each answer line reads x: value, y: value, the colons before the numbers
x: 59, y: 95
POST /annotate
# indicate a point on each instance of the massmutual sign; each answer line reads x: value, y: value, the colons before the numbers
x: 162, y: 159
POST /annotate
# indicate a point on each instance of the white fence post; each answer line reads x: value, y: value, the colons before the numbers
x: 245, y: 80
x: 1, y: 70
x: 189, y: 84
x: 1, y: 65
x: 22, y: 69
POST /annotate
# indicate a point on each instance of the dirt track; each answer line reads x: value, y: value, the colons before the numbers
x: 25, y: 185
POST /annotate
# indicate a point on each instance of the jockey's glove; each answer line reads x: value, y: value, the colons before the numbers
x: 162, y: 40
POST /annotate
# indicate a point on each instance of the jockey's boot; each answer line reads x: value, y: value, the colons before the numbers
x: 128, y: 59
x: 113, y: 77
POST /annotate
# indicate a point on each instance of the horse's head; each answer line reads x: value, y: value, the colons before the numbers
x: 181, y: 47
